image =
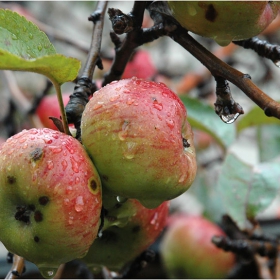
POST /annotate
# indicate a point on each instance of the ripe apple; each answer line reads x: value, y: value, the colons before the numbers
x: 50, y: 198
x: 138, y: 136
x: 129, y: 229
x: 49, y: 107
x: 224, y: 21
x: 187, y: 250
x: 140, y: 66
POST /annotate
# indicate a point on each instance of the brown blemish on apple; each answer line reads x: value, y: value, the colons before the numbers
x: 23, y: 214
x: 36, y: 154
x: 11, y: 179
x: 93, y: 185
x: 43, y: 200
x: 211, y: 13
x: 36, y: 239
x: 38, y: 216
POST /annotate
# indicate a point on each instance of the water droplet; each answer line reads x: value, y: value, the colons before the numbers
x: 14, y: 37
x: 55, y: 149
x: 25, y: 146
x: 47, y: 140
x: 75, y: 165
x: 64, y: 164
x: 154, y: 219
x: 121, y: 199
x: 97, y: 106
x: 39, y: 47
x: 66, y: 201
x: 170, y: 123
x: 229, y: 118
x: 24, y: 29
x: 77, y: 180
x: 157, y: 105
x: 114, y: 82
x: 129, y: 101
x: 126, y: 91
x: 277, y: 63
x: 129, y: 150
x: 191, y: 9
x: 182, y: 178
x: 50, y: 164
x: 47, y: 273
x: 79, y: 204
x: 30, y: 36
x: 123, y: 133
x: 70, y: 220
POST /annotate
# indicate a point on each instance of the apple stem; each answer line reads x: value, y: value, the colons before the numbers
x: 17, y: 268
x: 61, y: 107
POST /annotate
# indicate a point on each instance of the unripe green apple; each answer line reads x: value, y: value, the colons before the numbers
x: 138, y: 136
x: 187, y: 250
x: 224, y: 21
x: 130, y: 229
x: 50, y: 198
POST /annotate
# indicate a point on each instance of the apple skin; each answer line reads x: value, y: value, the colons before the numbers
x: 49, y: 107
x: 140, y: 141
x: 121, y: 242
x: 187, y: 251
x: 140, y: 66
x: 50, y: 198
x: 224, y: 21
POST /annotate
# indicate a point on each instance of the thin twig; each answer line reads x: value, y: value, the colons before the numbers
x: 219, y: 68
x: 17, y: 268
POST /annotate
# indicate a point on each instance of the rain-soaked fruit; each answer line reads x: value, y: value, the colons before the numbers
x: 140, y: 66
x: 224, y: 21
x: 129, y: 229
x: 49, y: 107
x: 50, y: 198
x: 138, y: 136
x: 187, y: 251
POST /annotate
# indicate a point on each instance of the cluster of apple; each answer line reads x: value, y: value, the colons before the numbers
x: 105, y: 200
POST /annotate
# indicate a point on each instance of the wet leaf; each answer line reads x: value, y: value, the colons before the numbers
x: 23, y: 47
x: 255, y: 116
x: 21, y: 37
x: 247, y: 190
x: 268, y: 141
x: 202, y: 116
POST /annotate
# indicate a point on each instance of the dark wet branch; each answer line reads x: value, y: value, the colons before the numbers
x: 219, y: 68
x: 262, y: 48
x: 85, y: 87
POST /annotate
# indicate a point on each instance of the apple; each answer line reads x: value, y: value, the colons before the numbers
x: 225, y: 21
x: 50, y: 198
x: 186, y: 249
x: 129, y: 229
x: 49, y: 107
x: 137, y: 134
x: 140, y: 66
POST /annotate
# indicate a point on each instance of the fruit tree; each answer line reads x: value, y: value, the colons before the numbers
x: 139, y: 139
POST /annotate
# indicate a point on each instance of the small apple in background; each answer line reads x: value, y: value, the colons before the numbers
x: 137, y: 134
x: 49, y: 107
x: 187, y: 251
x: 140, y: 66
x: 225, y: 21
x: 50, y: 198
x: 129, y: 229
x: 202, y: 140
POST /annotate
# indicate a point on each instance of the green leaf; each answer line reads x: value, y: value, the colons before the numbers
x: 268, y: 141
x: 247, y: 190
x: 57, y: 67
x: 255, y: 117
x: 23, y: 47
x: 202, y: 116
x: 21, y: 37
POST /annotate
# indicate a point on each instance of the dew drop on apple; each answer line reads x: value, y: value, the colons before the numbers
x: 121, y: 199
x: 50, y: 164
x: 64, y: 164
x: 191, y: 9
x: 170, y: 123
x: 48, y: 273
x: 79, y: 204
x: 154, y: 219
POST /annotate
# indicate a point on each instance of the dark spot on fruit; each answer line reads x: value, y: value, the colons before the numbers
x: 43, y: 200
x: 23, y: 214
x: 38, y: 216
x: 105, y: 177
x: 136, y: 229
x: 93, y: 185
x: 31, y: 207
x: 211, y: 13
x: 154, y: 99
x: 36, y: 154
x: 118, y: 205
x: 186, y: 144
x: 11, y: 179
x: 36, y: 239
